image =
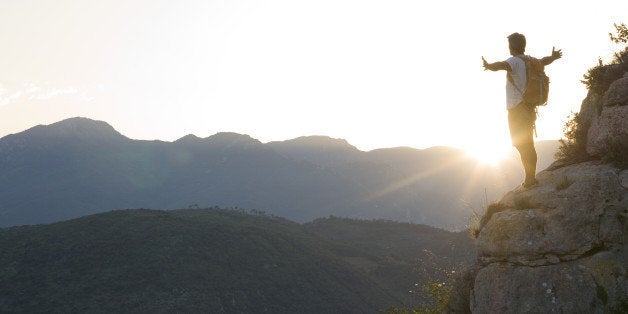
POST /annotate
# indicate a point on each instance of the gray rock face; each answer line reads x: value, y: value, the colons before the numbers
x: 558, y: 247
x: 608, y: 132
x: 590, y: 108
x: 617, y: 94
x: 588, y: 285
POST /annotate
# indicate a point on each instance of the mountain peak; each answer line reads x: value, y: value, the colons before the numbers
x: 190, y: 138
x: 77, y: 127
x: 320, y: 150
x: 317, y: 141
x: 231, y: 138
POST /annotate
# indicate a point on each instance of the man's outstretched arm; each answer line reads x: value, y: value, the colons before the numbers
x: 496, y: 66
x: 556, y: 54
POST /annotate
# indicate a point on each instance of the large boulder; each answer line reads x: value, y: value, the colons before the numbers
x: 590, y: 108
x: 575, y: 210
x: 558, y: 247
x: 589, y: 285
x: 608, y: 132
x: 617, y: 93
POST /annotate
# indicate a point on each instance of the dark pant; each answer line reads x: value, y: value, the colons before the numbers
x: 521, y: 121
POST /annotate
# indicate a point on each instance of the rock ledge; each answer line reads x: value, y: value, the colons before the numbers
x: 558, y: 247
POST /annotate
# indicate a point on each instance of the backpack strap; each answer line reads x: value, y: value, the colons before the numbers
x: 512, y: 81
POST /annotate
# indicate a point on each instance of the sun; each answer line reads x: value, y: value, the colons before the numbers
x: 489, y: 153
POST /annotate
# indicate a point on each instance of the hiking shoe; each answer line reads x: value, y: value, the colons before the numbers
x: 529, y: 185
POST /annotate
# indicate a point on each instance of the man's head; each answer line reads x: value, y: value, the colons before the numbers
x: 517, y: 44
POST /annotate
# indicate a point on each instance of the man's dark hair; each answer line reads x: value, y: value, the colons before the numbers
x: 517, y: 42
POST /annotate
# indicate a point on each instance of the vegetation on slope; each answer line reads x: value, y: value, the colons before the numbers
x: 398, y: 255
x: 597, y: 80
x: 201, y: 260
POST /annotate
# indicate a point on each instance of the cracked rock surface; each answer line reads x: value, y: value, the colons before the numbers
x: 558, y: 247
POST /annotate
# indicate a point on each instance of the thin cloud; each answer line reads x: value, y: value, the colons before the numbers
x: 55, y: 93
x: 41, y: 92
x: 7, y: 96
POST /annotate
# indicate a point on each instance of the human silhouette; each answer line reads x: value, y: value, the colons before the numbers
x: 521, y: 116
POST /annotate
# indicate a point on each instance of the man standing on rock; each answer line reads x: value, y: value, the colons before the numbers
x: 521, y: 117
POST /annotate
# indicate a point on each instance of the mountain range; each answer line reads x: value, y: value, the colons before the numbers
x: 79, y: 166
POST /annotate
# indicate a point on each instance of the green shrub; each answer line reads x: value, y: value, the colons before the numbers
x: 600, y: 77
x: 480, y: 221
x: 622, y: 34
x: 601, y: 294
x: 474, y: 223
x: 597, y: 80
x: 573, y: 147
x: 563, y: 184
x: 621, y: 306
x: 522, y: 203
x: 439, y: 295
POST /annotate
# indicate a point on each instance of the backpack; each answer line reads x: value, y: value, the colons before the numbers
x: 537, y: 83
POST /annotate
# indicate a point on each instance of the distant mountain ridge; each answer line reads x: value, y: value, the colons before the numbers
x: 78, y: 128
x: 80, y: 166
x: 320, y: 150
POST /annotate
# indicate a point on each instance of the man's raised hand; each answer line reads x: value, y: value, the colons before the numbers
x: 556, y: 54
x: 484, y: 63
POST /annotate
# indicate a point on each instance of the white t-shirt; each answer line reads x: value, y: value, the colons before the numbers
x: 518, y: 73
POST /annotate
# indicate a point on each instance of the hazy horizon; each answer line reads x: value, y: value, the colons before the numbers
x: 256, y: 138
x: 376, y: 74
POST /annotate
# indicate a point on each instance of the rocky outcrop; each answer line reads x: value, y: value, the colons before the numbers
x: 558, y: 247
x: 608, y: 131
x: 562, y: 246
x: 590, y: 108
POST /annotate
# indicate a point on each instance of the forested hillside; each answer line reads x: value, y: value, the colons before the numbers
x: 214, y: 260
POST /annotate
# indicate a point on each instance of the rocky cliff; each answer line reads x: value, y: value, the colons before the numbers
x: 560, y: 247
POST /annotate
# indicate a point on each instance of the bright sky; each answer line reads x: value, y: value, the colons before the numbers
x: 377, y: 73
